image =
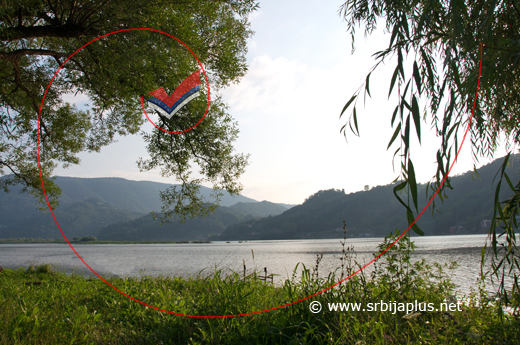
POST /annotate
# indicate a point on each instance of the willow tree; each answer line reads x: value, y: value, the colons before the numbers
x: 36, y: 37
x: 438, y: 45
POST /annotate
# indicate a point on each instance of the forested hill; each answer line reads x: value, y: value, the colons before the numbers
x: 135, y: 196
x: 79, y: 219
x: 86, y: 206
x: 106, y: 208
x: 148, y: 229
x: 377, y: 212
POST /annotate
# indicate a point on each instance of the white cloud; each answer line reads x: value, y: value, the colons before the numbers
x: 300, y: 76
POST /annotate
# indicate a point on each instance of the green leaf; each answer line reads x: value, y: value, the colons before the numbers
x: 400, y: 61
x: 416, y: 117
x: 397, y: 188
x: 367, y: 84
x: 483, y: 258
x: 417, y: 76
x: 395, y: 153
x: 452, y: 130
x: 354, y: 116
x: 429, y: 68
x: 406, y: 88
x: 411, y: 219
x: 440, y: 163
x: 347, y: 105
x: 509, y: 182
x: 396, y: 132
x: 394, y: 34
x: 406, y: 104
x: 394, y: 115
x: 475, y: 171
x: 413, y: 183
x: 392, y: 82
x: 406, y: 138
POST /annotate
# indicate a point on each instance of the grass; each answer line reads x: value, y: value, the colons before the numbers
x: 72, y: 309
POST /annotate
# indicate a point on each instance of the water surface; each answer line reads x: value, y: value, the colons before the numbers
x: 280, y: 257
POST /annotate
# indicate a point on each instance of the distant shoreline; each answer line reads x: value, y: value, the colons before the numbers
x: 102, y: 242
x: 62, y: 241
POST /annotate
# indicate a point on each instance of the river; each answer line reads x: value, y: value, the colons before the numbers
x: 280, y: 257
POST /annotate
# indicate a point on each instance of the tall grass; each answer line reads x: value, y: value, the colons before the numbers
x: 72, y: 309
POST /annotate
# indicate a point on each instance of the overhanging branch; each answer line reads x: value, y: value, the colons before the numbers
x: 14, y: 55
x: 26, y: 32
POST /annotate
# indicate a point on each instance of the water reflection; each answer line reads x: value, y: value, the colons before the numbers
x: 280, y: 257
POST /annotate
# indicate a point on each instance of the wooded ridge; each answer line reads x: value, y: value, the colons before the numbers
x: 119, y: 210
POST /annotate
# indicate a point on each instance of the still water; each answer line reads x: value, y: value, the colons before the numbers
x: 280, y: 257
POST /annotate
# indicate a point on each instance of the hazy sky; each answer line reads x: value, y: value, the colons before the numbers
x: 301, y: 74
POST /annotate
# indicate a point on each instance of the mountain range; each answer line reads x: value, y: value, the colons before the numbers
x: 148, y: 229
x: 88, y: 205
x: 467, y: 208
x: 119, y: 209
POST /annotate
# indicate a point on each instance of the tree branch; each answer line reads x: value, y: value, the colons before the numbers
x: 16, y: 173
x: 18, y: 82
x: 15, y: 54
x: 516, y: 8
x: 25, y: 32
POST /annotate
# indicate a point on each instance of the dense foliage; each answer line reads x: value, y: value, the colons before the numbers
x: 36, y: 38
x: 460, y: 58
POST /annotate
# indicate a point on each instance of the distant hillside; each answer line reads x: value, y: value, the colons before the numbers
x: 377, y: 212
x: 148, y: 229
x: 78, y: 219
x: 288, y: 206
x: 259, y: 209
x: 128, y: 199
x: 117, y: 209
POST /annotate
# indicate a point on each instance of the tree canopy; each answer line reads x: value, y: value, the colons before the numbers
x: 36, y: 37
x: 438, y: 48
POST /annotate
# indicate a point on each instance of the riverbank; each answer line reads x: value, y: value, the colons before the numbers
x: 62, y: 241
x: 40, y: 305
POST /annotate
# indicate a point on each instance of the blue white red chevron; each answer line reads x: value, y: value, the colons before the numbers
x: 182, y: 95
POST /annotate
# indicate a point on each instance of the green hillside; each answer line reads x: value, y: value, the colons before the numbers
x: 125, y: 199
x: 148, y: 229
x: 377, y: 212
x: 78, y: 219
x: 117, y: 209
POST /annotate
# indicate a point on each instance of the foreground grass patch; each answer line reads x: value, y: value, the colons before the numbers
x: 42, y: 306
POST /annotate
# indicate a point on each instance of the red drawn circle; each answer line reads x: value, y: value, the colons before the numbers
x: 259, y: 311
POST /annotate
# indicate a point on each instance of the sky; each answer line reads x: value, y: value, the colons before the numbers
x: 301, y: 73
